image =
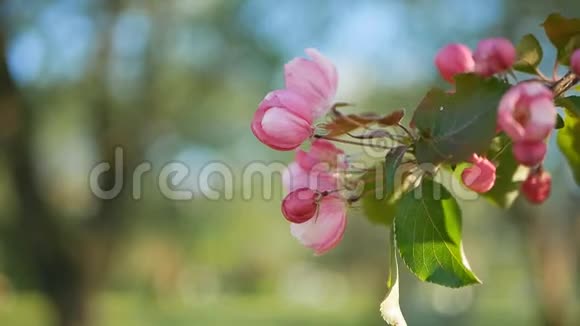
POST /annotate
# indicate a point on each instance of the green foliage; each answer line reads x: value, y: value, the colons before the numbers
x: 569, y: 142
x: 381, y: 189
x: 454, y: 126
x: 379, y: 210
x: 505, y: 189
x: 571, y: 103
x: 529, y: 53
x: 564, y: 33
x: 428, y: 235
x: 378, y: 206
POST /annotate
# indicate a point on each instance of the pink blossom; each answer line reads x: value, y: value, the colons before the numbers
x: 575, y: 62
x: 454, y: 59
x: 530, y: 153
x: 527, y: 112
x: 283, y: 120
x: 480, y: 177
x: 537, y: 186
x: 317, y: 170
x: 494, y: 55
x: 316, y: 80
x: 300, y: 205
x: 326, y: 230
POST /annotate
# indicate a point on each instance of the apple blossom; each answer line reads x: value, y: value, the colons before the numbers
x: 494, y: 55
x: 530, y: 153
x: 480, y: 177
x: 283, y: 120
x: 454, y: 59
x: 300, y: 205
x: 316, y: 170
x: 527, y: 112
x: 537, y: 186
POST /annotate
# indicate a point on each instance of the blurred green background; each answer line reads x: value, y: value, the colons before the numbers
x: 179, y: 81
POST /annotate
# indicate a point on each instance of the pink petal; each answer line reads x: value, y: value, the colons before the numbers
x: 296, y: 177
x: 481, y: 176
x: 291, y: 116
x: 542, y: 119
x: 454, y: 59
x: 325, y: 231
x: 315, y: 80
x: 327, y: 67
x: 321, y: 151
x: 284, y: 127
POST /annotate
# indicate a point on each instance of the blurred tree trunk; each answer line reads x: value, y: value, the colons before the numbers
x: 67, y: 263
x: 44, y: 244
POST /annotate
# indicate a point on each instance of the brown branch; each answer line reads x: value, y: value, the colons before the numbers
x: 564, y: 84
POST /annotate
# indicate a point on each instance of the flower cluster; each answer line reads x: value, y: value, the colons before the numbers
x: 316, y: 202
x: 491, y: 56
x: 285, y: 120
x: 314, y: 205
x: 526, y: 113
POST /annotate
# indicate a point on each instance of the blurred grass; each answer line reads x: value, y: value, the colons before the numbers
x: 119, y: 309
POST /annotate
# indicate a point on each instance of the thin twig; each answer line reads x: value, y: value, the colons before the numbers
x: 345, y: 141
x: 406, y: 130
x: 540, y: 74
x: 555, y: 70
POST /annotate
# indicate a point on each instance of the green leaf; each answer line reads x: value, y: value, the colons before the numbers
x: 390, y: 308
x: 379, y: 211
x: 559, y: 122
x: 564, y: 33
x: 428, y: 234
x: 393, y: 180
x: 569, y: 142
x: 381, y: 187
x: 571, y: 103
x: 505, y: 190
x: 377, y: 206
x: 454, y: 126
x: 529, y: 54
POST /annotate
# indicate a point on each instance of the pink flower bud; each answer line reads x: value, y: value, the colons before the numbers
x: 283, y: 120
x: 315, y: 79
x: 494, y: 55
x: 575, y: 62
x: 454, y: 59
x: 530, y: 153
x: 326, y: 230
x: 537, y: 187
x: 300, y: 205
x: 527, y: 113
x: 480, y: 177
